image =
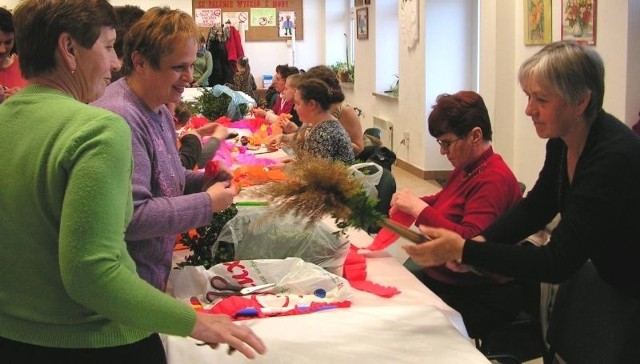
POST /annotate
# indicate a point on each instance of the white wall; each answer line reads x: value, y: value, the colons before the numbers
x: 502, y: 53
x: 9, y: 4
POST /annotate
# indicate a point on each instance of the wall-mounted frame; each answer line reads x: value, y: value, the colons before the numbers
x: 362, y: 23
x: 579, y: 21
x: 537, y: 23
x: 286, y: 23
x: 259, y: 24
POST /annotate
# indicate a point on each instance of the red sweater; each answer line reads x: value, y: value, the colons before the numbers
x: 11, y: 76
x: 472, y: 199
x: 282, y: 107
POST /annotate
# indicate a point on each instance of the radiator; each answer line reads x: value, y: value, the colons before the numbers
x: 386, y: 128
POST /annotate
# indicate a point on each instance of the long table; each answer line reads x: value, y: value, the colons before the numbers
x: 415, y: 326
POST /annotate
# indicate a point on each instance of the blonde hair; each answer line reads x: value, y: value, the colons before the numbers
x: 155, y: 35
x: 294, y: 80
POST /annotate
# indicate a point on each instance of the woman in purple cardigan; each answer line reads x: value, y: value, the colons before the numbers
x: 168, y: 199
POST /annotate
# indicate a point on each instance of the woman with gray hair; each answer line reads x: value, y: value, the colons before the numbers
x: 70, y: 290
x: 590, y: 176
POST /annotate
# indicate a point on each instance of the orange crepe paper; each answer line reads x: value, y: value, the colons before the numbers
x: 245, y: 176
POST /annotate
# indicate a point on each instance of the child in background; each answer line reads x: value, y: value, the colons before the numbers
x: 290, y: 124
x: 281, y: 105
x: 195, y: 150
x: 293, y: 129
x: 243, y: 79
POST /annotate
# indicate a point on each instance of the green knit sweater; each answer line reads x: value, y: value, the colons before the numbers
x: 66, y: 279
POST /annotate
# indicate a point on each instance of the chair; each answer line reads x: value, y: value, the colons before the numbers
x: 521, y: 339
x: 592, y: 322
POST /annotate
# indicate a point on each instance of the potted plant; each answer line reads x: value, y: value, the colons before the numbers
x: 342, y: 70
x: 351, y: 68
x: 394, y: 90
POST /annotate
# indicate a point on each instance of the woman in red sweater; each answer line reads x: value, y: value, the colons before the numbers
x: 480, y: 188
x: 11, y: 80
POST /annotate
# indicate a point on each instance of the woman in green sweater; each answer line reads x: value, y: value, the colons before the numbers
x: 203, y: 66
x: 70, y: 292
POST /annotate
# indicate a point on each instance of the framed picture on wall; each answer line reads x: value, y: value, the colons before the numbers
x: 362, y: 23
x: 537, y: 22
x: 286, y: 23
x: 579, y: 21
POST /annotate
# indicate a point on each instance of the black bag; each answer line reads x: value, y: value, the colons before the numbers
x: 381, y: 156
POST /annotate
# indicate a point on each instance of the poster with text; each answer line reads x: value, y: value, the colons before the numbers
x: 236, y: 17
x: 207, y: 18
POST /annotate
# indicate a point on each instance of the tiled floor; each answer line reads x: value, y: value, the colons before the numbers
x: 421, y: 187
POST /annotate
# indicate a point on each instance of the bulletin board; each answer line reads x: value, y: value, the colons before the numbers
x: 264, y: 20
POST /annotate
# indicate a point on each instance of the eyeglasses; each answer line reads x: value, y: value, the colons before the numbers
x: 446, y: 144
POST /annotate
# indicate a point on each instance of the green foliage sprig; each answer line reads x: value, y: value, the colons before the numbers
x: 200, y: 245
x: 212, y: 106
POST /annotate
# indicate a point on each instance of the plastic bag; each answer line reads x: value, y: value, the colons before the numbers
x: 296, y: 282
x: 236, y: 100
x: 256, y: 235
x: 370, y: 179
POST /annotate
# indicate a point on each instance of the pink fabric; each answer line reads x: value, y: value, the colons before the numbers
x: 224, y: 154
x: 252, y: 124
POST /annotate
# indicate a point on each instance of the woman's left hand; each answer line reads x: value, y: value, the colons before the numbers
x: 406, y: 201
x: 444, y: 246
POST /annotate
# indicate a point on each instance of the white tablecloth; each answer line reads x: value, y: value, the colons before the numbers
x: 386, y: 334
x: 415, y: 326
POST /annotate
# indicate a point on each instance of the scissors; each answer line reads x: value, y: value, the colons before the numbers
x: 225, y: 289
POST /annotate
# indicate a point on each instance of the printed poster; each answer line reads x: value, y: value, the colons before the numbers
x: 263, y: 17
x: 207, y: 18
x: 236, y: 17
x: 286, y: 23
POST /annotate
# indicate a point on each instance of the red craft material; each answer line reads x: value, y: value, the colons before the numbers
x: 355, y: 271
x: 386, y: 237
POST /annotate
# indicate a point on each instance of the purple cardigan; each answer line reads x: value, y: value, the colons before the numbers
x: 167, y: 198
